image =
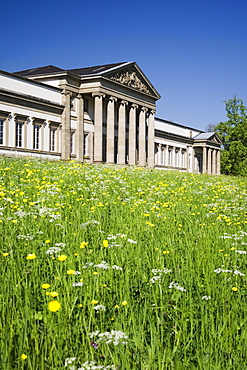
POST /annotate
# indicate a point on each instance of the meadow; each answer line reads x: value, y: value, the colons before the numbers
x: 107, y: 267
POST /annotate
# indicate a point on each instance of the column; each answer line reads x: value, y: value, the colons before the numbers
x: 214, y: 162
x: 132, y: 134
x: 122, y: 132
x: 204, y: 160
x: 142, y: 137
x: 65, y: 134
x: 46, y: 136
x: 209, y: 161
x: 98, y: 126
x: 159, y: 154
x: 151, y: 138
x: 80, y: 128
x: 110, y: 128
x: 218, y: 162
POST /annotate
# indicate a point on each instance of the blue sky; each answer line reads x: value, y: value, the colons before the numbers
x: 194, y: 52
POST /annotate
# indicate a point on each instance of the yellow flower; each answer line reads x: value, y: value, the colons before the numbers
x: 47, y: 241
x: 5, y: 254
x: 75, y: 254
x: 45, y: 286
x: 105, y: 243
x: 95, y: 273
x: 234, y: 289
x: 62, y: 257
x: 31, y: 256
x: 53, y: 294
x: 165, y: 252
x: 70, y: 272
x: 23, y: 356
x: 80, y: 305
x: 83, y: 245
x: 54, y: 306
x: 94, y: 301
x: 124, y: 303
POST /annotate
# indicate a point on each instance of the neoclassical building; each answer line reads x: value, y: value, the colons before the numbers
x: 101, y: 114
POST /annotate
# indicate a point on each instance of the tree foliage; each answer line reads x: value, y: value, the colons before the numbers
x: 233, y: 134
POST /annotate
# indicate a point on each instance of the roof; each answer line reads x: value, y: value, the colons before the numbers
x: 39, y: 71
x: 85, y: 71
x: 204, y: 136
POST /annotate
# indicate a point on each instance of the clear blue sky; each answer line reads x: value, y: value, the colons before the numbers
x: 194, y: 52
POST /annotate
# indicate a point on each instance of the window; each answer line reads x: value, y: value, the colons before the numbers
x: 169, y: 157
x: 86, y: 145
x: 176, y: 158
x: 86, y: 105
x: 36, y: 136
x: 19, y: 134
x: 53, y: 139
x: 72, y: 146
x: 1, y: 131
x: 182, y: 159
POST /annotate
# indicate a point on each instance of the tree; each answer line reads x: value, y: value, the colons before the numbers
x: 210, y: 127
x: 233, y: 134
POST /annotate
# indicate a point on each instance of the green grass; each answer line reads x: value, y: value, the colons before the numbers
x: 185, y: 225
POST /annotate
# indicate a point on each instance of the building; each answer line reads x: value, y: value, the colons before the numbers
x: 98, y: 114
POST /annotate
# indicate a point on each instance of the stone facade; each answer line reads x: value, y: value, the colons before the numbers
x: 97, y: 114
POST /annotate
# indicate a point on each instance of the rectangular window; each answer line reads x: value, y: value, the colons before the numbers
x: 52, y: 139
x: 176, y: 158
x: 169, y: 157
x: 86, y: 145
x: 182, y: 159
x: 36, y: 136
x: 72, y: 146
x: 86, y: 105
x: 19, y: 134
x: 1, y: 131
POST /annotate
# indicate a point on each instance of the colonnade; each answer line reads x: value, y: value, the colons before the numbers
x: 129, y: 131
x: 171, y: 156
x: 211, y: 161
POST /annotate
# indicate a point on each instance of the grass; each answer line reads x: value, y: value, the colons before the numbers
x: 173, y: 281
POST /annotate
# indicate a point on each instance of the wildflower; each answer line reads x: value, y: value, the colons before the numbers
x: 99, y: 307
x: 94, y: 301
x: 5, y: 254
x: 69, y: 361
x: 80, y: 283
x: 31, y: 256
x: 70, y: 272
x: 54, y: 306
x: 166, y: 252
x: 234, y: 289
x: 53, y: 294
x: 83, y: 245
x: 23, y: 356
x: 206, y: 298
x: 176, y: 286
x: 47, y: 241
x: 124, y: 303
x: 45, y: 286
x: 62, y: 257
x: 105, y: 243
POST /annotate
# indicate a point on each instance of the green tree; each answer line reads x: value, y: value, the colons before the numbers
x: 233, y: 134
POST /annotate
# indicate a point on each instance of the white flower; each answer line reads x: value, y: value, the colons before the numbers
x: 206, y: 298
x: 241, y: 252
x: 236, y: 272
x: 99, y: 307
x: 176, y: 286
x: 114, y: 337
x: 102, y: 265
x: 69, y: 360
x: 80, y: 283
x: 115, y: 267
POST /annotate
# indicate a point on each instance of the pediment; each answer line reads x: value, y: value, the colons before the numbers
x: 131, y: 76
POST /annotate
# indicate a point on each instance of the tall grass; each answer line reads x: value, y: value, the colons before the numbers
x: 173, y: 278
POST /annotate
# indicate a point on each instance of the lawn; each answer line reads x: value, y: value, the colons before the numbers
x: 106, y: 267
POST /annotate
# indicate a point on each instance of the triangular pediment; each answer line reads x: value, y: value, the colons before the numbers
x: 132, y: 76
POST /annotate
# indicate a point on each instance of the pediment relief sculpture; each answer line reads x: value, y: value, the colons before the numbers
x: 130, y: 79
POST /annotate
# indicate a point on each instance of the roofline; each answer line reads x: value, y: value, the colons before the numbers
x: 180, y: 125
x: 30, y: 80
